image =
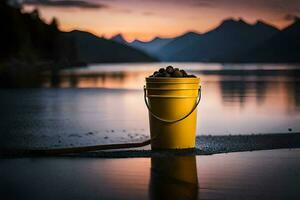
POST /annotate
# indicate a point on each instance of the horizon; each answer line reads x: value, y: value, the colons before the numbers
x: 186, y: 32
x: 144, y: 21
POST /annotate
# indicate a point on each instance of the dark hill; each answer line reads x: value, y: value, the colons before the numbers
x: 93, y: 49
x: 25, y: 37
x: 282, y: 47
x: 119, y: 38
x: 225, y: 42
x: 176, y: 45
x: 152, y: 46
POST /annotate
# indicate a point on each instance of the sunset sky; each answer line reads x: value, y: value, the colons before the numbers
x: 143, y: 20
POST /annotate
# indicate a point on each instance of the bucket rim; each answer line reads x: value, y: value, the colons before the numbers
x: 152, y: 96
x: 172, y: 80
x: 171, y: 89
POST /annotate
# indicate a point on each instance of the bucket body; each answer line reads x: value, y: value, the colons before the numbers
x: 172, y: 105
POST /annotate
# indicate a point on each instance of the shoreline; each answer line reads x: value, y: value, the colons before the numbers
x: 205, y: 145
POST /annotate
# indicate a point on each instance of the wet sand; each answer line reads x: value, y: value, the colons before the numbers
x: 208, y: 145
x: 272, y: 174
x: 205, y: 145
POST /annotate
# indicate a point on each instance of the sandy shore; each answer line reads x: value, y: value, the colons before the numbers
x: 205, y: 145
x: 208, y: 145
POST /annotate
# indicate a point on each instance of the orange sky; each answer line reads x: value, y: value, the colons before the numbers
x: 137, y: 19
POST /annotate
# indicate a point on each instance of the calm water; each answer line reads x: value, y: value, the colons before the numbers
x: 249, y: 175
x: 104, y: 104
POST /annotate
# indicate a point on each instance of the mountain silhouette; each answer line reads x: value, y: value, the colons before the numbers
x: 27, y: 38
x: 231, y: 41
x: 119, y: 38
x: 223, y: 43
x: 179, y: 43
x: 94, y: 49
x: 282, y: 47
x: 152, y: 46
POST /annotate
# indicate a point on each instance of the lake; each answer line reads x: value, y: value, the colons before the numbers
x: 103, y: 103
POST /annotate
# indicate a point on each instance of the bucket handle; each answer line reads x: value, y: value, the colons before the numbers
x: 171, y: 121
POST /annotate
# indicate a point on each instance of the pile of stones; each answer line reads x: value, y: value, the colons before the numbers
x: 171, y: 72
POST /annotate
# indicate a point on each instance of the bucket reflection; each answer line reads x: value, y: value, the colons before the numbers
x: 173, y: 178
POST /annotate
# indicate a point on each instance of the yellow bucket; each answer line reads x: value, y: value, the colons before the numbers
x: 172, y: 105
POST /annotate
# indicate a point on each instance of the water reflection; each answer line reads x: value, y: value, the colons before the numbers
x: 173, y: 178
x: 239, y: 84
x: 285, y: 93
x: 99, y: 80
x: 293, y: 90
x: 248, y: 175
x: 234, y: 92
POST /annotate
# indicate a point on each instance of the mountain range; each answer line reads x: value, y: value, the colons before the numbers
x: 28, y: 38
x: 282, y: 47
x: 231, y: 41
x: 94, y: 49
x: 152, y: 46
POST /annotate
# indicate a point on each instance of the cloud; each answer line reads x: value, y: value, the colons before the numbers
x: 291, y: 17
x: 148, y: 13
x: 202, y: 3
x: 65, y: 4
x: 279, y: 6
x: 121, y: 10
